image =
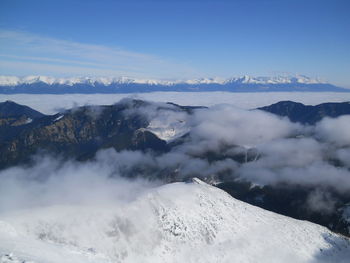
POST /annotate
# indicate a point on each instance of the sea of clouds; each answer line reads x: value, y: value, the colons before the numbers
x: 276, y: 151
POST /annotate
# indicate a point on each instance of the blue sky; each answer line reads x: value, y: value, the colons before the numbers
x: 176, y: 39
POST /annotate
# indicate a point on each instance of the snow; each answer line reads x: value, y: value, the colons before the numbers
x: 58, y: 118
x: 275, y: 80
x: 28, y: 120
x: 179, y: 222
x: 169, y: 125
x: 51, y: 104
x: 9, y: 80
x: 14, y: 80
x: 167, y: 133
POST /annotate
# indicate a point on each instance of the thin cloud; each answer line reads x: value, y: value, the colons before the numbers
x: 22, y: 49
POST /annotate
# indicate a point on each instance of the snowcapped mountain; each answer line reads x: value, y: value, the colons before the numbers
x: 179, y: 222
x: 44, y: 84
x: 301, y: 79
x: 14, y: 81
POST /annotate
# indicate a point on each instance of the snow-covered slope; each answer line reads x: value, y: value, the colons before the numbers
x: 169, y: 125
x: 178, y: 222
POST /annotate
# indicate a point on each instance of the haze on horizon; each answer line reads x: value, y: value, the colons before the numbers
x: 176, y: 39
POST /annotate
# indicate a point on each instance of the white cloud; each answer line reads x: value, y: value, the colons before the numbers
x: 25, y: 53
x: 344, y: 156
x: 229, y: 125
x: 54, y: 182
x: 281, y: 151
x: 335, y: 130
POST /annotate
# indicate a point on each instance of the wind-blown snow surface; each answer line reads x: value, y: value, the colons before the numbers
x: 179, y: 222
x: 50, y: 104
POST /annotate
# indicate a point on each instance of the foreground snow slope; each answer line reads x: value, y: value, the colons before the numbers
x: 178, y: 222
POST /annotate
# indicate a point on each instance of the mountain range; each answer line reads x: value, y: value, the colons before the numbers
x: 76, y: 133
x: 50, y: 85
x: 80, y: 132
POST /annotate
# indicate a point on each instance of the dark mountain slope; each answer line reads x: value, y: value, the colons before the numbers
x: 298, y: 112
x: 14, y: 118
x: 15, y: 114
x: 79, y: 133
x: 12, y: 109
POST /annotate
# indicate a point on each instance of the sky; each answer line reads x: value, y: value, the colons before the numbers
x: 176, y: 39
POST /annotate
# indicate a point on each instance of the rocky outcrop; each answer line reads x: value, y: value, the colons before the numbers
x: 79, y: 133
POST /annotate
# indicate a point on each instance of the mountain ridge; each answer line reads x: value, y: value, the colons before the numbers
x: 307, y: 114
x: 51, y: 85
x: 15, y: 80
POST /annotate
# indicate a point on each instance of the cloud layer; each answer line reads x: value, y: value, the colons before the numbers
x: 219, y: 143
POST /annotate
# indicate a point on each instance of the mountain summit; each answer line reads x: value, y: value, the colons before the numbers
x: 179, y: 222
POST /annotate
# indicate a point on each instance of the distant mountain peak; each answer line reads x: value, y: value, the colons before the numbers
x: 301, y: 79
